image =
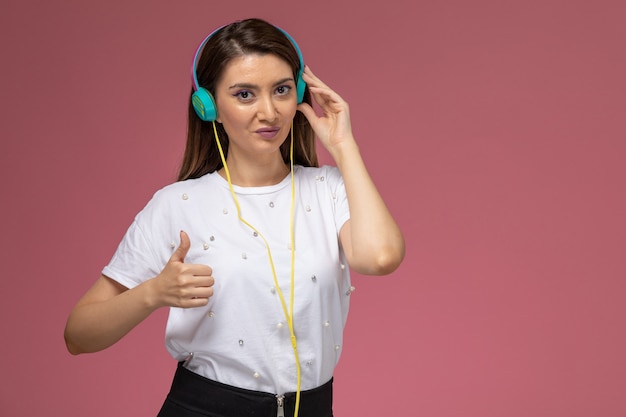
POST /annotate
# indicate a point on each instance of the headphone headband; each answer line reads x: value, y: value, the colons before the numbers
x: 202, y: 100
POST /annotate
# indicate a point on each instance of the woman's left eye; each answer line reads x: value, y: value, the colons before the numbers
x: 283, y: 89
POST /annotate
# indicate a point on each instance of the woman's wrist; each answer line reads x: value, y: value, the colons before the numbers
x: 344, y: 151
x: 149, y: 295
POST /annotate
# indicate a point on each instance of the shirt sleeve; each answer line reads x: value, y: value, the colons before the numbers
x: 134, y: 261
x: 340, y: 198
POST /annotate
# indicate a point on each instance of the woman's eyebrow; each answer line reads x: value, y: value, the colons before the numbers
x: 243, y: 85
x: 254, y: 86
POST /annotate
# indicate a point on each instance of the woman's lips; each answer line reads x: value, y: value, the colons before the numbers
x: 268, y: 132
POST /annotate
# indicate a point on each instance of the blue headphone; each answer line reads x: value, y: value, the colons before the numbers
x: 202, y: 100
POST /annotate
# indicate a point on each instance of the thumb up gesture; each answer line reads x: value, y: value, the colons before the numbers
x: 181, y: 284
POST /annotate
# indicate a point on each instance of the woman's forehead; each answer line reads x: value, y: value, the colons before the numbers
x: 256, y: 69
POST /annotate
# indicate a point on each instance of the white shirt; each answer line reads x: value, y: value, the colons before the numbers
x: 241, y: 337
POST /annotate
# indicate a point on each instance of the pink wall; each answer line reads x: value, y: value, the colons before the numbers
x: 495, y: 130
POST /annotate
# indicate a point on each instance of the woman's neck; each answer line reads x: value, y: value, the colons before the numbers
x: 256, y: 173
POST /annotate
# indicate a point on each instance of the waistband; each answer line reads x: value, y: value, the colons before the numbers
x: 211, y: 398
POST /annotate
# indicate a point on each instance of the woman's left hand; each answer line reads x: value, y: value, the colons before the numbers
x: 333, y: 128
x: 371, y: 239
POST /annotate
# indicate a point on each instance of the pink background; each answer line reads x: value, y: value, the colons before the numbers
x: 495, y: 130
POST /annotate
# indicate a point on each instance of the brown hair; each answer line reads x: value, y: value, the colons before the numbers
x: 250, y: 36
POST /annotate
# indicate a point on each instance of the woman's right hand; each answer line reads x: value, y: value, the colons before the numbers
x: 181, y: 284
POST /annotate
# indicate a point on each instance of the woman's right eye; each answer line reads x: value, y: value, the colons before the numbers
x: 244, y: 95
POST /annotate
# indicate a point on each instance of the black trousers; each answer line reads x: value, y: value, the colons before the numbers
x: 193, y: 395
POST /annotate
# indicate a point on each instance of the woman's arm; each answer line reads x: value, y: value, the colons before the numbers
x: 108, y: 311
x: 104, y: 315
x: 371, y: 239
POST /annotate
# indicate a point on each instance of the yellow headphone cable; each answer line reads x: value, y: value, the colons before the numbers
x: 288, y: 313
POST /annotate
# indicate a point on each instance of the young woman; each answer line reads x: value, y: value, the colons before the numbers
x: 251, y: 248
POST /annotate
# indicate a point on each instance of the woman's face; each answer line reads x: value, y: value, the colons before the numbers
x: 256, y: 101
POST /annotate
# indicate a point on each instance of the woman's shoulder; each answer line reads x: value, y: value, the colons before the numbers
x: 178, y: 187
x: 179, y: 191
x: 324, y: 170
x: 322, y: 173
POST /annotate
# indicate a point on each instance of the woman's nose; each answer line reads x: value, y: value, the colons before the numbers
x: 266, y: 109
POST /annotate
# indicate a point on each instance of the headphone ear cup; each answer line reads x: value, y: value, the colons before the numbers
x: 204, y: 105
x: 300, y: 88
